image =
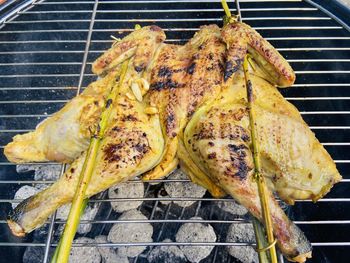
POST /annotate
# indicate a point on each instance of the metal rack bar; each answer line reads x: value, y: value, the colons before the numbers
x: 116, y: 245
x: 39, y: 19
x: 164, y: 20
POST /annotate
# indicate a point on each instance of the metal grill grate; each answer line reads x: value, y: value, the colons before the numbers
x: 46, y: 51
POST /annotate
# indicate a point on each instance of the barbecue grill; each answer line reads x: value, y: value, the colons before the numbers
x: 46, y: 51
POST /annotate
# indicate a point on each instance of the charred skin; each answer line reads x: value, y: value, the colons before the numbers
x: 183, y: 78
x: 133, y: 144
x: 242, y: 39
x: 141, y: 43
x: 220, y: 144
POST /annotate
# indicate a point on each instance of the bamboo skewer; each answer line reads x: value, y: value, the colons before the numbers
x: 85, y: 175
x: 262, y: 189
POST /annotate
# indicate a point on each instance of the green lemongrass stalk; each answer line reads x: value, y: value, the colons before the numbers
x: 228, y: 18
x: 262, y: 188
x: 261, y: 242
x: 85, y: 175
x: 262, y: 245
x: 226, y: 8
x: 55, y: 255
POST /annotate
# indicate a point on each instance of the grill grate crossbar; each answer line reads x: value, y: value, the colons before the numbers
x: 314, y: 41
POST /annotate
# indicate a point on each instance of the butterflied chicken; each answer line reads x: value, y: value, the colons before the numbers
x: 187, y: 105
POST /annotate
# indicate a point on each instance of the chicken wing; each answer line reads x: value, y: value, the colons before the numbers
x: 141, y: 43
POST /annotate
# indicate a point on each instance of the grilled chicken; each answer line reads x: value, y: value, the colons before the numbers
x: 63, y: 136
x: 201, y: 123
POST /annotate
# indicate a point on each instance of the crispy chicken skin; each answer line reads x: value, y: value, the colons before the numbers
x: 242, y: 39
x: 179, y: 84
x: 202, y: 123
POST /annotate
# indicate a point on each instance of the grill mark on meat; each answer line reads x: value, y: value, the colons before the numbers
x: 109, y: 103
x: 128, y: 152
x: 142, y: 148
x: 191, y: 68
x: 167, y: 84
x: 165, y: 71
x: 212, y: 155
x: 232, y: 67
x: 239, y: 150
x: 227, y: 130
x: 238, y: 165
x: 245, y: 137
x: 116, y: 129
x: 139, y: 68
x: 112, y: 152
x: 170, y: 123
x: 129, y: 117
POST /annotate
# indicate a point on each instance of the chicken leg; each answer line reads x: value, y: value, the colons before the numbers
x: 133, y: 144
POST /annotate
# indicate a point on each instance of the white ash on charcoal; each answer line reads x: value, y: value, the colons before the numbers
x: 109, y: 254
x: 23, y: 193
x: 196, y: 232
x: 126, y: 190
x: 89, y: 214
x: 182, y: 189
x: 48, y: 172
x: 232, y: 207
x: 131, y: 233
x: 52, y: 173
x: 42, y: 172
x: 242, y: 233
x: 166, y: 254
x: 86, y: 254
x: 24, y: 168
x: 34, y: 255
